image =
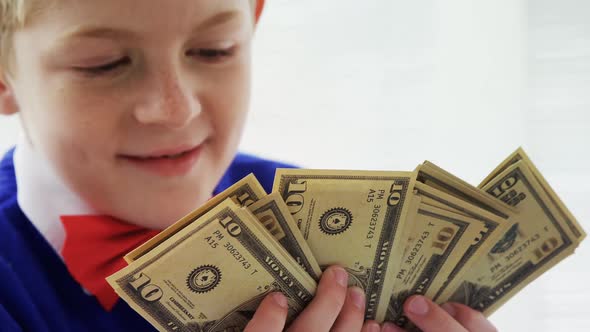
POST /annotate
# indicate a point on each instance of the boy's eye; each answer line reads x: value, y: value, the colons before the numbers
x: 106, y: 68
x: 212, y: 54
x: 208, y: 54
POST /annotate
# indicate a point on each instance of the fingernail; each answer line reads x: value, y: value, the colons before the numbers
x: 358, y: 297
x: 418, y: 306
x: 341, y: 276
x: 483, y: 322
x: 450, y: 309
x: 389, y: 327
x: 373, y: 327
x: 280, y: 299
x: 487, y: 325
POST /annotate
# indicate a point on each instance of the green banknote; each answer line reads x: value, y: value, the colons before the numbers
x: 212, y: 274
x: 539, y: 238
x: 442, y: 189
x: 438, y: 241
x: 274, y: 215
x: 564, y: 212
x: 354, y: 219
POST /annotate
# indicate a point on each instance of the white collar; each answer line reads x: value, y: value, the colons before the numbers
x: 42, y: 195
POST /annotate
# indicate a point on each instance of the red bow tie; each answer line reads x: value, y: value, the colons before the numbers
x: 94, y: 248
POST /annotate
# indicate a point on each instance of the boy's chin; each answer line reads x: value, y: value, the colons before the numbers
x: 159, y: 214
x: 156, y: 220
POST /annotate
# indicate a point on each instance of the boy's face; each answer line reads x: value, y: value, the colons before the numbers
x: 106, y: 88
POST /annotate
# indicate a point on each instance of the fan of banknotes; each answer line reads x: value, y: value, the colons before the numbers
x: 397, y: 234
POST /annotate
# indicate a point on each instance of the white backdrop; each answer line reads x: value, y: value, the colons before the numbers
x: 383, y: 84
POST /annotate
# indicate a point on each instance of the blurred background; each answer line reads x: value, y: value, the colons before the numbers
x: 386, y: 84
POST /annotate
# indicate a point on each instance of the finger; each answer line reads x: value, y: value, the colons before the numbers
x: 352, y: 315
x: 270, y: 315
x: 390, y: 327
x: 321, y: 312
x: 371, y: 326
x: 472, y: 320
x: 430, y: 317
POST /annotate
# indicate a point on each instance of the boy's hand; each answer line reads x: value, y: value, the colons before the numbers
x: 334, y: 308
x: 450, y: 317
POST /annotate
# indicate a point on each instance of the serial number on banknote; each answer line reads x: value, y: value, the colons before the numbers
x: 373, y: 223
x: 236, y: 254
x: 372, y: 196
x: 213, y: 239
x: 522, y: 247
x: 417, y: 247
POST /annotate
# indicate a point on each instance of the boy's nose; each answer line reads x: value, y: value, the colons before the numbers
x: 169, y: 103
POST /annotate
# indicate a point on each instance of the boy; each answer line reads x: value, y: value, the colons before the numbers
x: 134, y: 110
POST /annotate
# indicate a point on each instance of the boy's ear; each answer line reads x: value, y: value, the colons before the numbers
x: 8, y: 103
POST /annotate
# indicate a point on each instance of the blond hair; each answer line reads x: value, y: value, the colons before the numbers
x: 14, y: 15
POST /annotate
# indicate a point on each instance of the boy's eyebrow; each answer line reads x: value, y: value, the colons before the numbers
x: 99, y: 31
x: 219, y: 19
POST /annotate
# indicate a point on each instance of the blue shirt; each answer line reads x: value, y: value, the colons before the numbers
x: 37, y: 293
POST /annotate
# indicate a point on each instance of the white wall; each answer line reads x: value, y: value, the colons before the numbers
x: 387, y: 84
x: 383, y: 84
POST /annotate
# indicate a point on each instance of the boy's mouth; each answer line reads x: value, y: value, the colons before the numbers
x: 170, y: 162
x: 169, y: 156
